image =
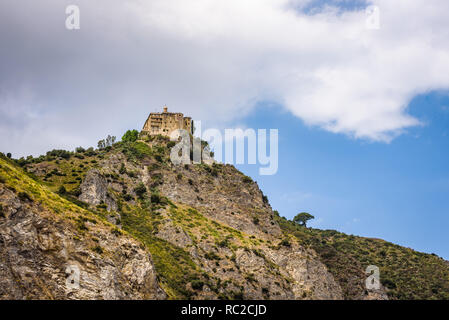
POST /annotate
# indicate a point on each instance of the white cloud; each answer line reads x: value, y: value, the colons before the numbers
x: 215, y: 60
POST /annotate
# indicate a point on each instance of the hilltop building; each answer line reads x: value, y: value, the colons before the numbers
x: 165, y: 122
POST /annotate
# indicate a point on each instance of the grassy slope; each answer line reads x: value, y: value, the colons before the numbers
x: 26, y: 186
x: 174, y: 265
x: 52, y: 205
x: 406, y: 273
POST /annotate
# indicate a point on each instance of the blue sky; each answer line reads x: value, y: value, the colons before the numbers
x: 397, y: 191
x: 344, y: 5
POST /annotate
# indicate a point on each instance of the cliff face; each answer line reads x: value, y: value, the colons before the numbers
x: 43, y: 238
x: 139, y: 227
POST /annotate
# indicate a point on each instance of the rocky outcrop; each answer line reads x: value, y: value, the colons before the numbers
x: 264, y: 272
x: 46, y: 256
x: 378, y: 294
x: 94, y: 190
x: 227, y: 196
x: 311, y: 278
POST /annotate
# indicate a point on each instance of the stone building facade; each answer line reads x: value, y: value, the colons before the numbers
x: 165, y: 122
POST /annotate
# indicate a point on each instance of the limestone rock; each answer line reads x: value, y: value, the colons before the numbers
x: 94, y: 190
x: 39, y: 247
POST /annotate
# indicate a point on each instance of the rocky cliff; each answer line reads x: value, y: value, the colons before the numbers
x: 44, y: 237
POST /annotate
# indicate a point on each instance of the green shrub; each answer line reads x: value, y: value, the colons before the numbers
x: 212, y: 256
x: 131, y: 174
x: 265, y: 291
x: 62, y: 190
x: 250, y: 278
x: 285, y: 243
x: 171, y: 144
x: 59, y: 154
x: 90, y: 152
x: 130, y: 136
x: 388, y: 284
x: 24, y: 196
x: 97, y: 249
x: 155, y: 198
x: 157, y: 179
x: 223, y: 243
x: 102, y: 206
x: 81, y: 225
x: 116, y: 232
x: 265, y: 199
x: 136, y: 150
x: 197, y: 284
x: 238, y: 295
x: 140, y: 190
x: 247, y: 179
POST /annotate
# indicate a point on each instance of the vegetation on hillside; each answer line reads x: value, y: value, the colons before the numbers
x: 406, y: 273
x: 173, y: 264
x: 55, y: 183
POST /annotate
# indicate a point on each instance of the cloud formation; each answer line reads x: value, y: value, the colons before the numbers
x: 213, y: 60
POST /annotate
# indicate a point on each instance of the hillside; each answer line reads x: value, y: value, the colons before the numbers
x: 139, y: 227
